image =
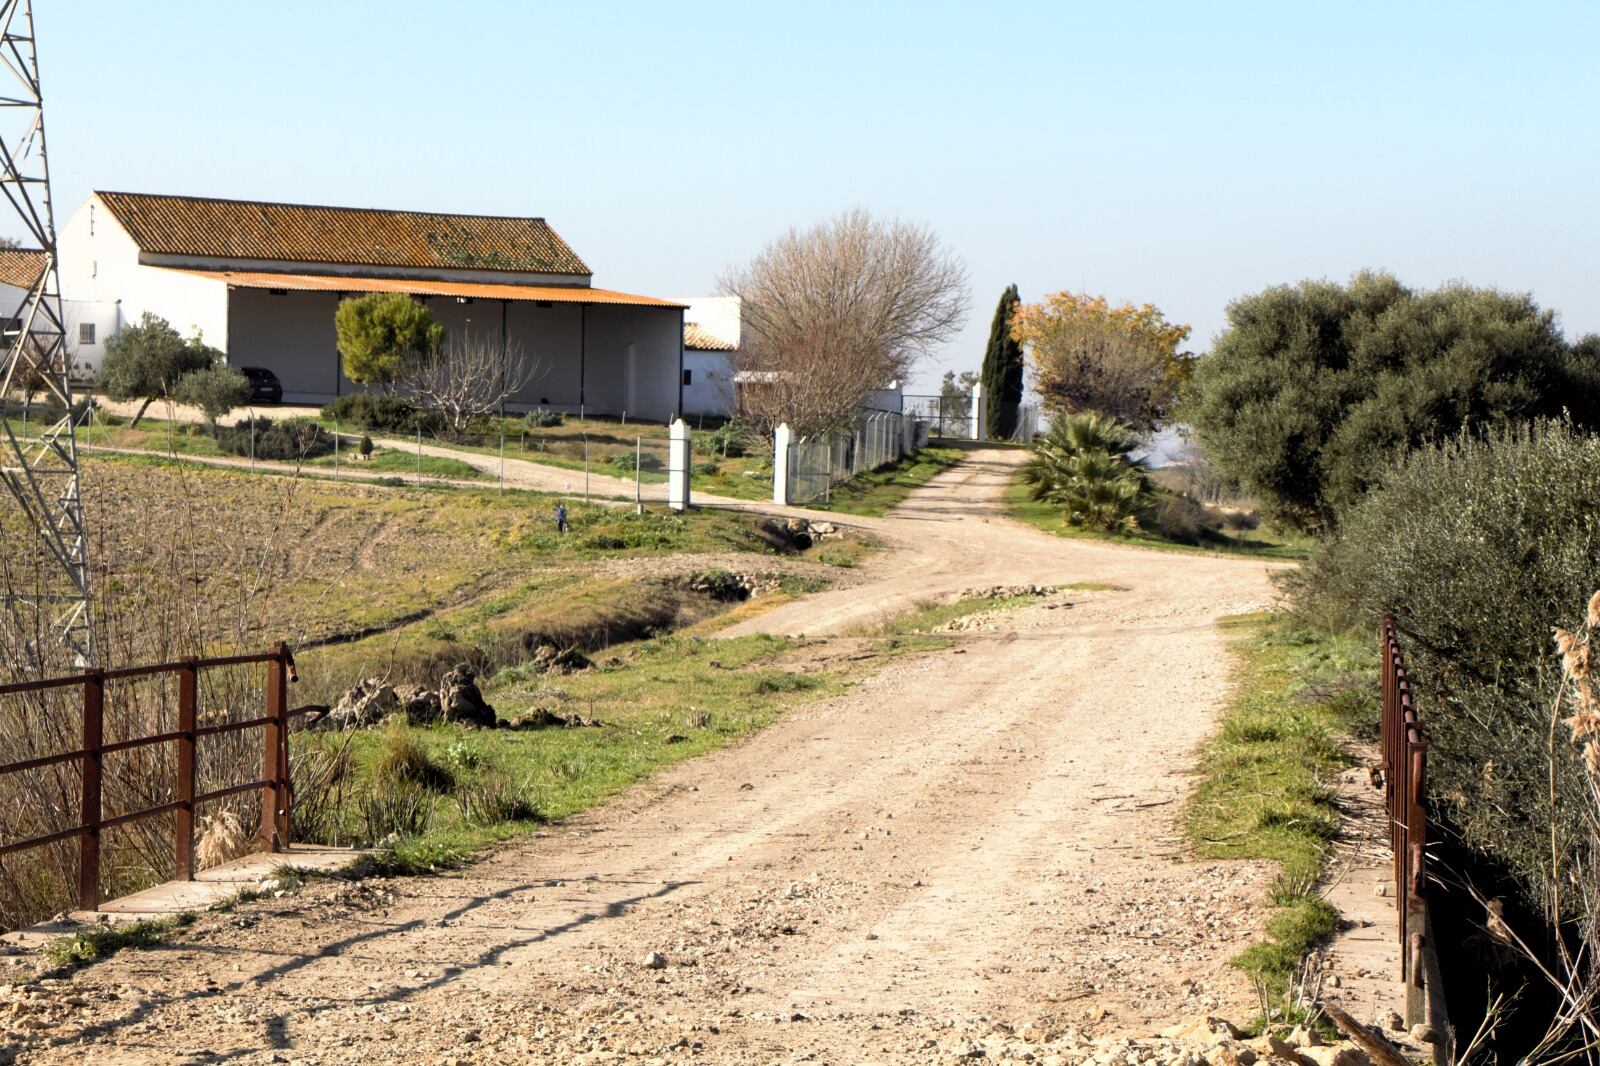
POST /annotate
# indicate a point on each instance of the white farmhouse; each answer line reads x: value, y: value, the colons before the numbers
x: 261, y: 281
x: 19, y: 273
x: 710, y: 342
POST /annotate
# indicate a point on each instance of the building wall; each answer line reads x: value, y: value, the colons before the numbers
x: 645, y: 383
x: 717, y: 315
x: 293, y: 336
x: 100, y: 268
x: 710, y: 387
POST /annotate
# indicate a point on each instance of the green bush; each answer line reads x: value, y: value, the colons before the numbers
x: 292, y: 440
x: 728, y: 441
x: 1312, y: 390
x: 1478, y: 547
x: 624, y: 461
x: 371, y: 410
x: 542, y: 418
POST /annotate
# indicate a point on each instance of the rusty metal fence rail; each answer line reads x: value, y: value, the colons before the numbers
x: 1405, y: 764
x: 91, y: 822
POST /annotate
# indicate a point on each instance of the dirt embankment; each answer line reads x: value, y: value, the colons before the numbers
x: 975, y: 841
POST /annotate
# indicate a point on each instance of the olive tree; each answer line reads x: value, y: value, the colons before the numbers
x: 835, y: 311
x: 146, y: 360
x: 1313, y: 391
x: 215, y: 390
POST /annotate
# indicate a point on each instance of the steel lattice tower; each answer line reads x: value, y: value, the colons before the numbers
x: 41, y: 472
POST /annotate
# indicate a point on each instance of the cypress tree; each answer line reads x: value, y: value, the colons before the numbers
x: 1002, y: 369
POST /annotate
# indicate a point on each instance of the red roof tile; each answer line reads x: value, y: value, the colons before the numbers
x: 353, y: 236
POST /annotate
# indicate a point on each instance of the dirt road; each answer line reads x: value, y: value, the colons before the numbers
x: 975, y: 839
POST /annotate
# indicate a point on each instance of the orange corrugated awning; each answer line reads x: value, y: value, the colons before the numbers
x: 567, y: 294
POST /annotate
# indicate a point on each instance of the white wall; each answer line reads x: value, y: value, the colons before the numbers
x: 710, y: 387
x: 717, y: 315
x: 657, y: 336
x: 99, y: 266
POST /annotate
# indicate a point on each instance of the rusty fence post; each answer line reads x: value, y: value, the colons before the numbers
x: 188, y: 685
x: 272, y: 749
x: 94, y: 718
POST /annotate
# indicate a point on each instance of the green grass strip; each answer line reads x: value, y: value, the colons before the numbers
x: 1266, y: 780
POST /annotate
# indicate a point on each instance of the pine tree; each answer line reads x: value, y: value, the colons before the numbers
x: 1002, y: 369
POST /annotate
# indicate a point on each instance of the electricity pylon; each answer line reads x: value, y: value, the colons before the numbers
x: 40, y: 470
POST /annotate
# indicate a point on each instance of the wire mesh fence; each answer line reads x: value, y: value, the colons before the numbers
x: 819, y: 462
x: 946, y: 415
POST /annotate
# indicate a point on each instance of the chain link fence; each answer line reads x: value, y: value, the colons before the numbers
x: 946, y: 415
x: 875, y: 439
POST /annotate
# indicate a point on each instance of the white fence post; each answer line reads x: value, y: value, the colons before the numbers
x: 678, y: 469
x: 980, y: 414
x: 782, y: 442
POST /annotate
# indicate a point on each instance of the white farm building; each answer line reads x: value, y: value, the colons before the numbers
x: 261, y: 281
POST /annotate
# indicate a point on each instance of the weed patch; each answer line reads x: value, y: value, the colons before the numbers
x: 92, y: 945
x: 1264, y: 789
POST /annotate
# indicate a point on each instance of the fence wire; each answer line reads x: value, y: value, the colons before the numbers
x: 875, y: 439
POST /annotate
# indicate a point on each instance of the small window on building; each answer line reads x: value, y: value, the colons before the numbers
x: 85, y: 332
x: 688, y: 377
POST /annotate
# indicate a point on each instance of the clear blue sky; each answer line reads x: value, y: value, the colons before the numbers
x: 1181, y: 153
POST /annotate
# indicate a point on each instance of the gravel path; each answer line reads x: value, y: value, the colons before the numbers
x: 976, y: 844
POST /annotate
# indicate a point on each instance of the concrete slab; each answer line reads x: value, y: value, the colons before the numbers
x: 1361, y: 967
x: 209, y: 887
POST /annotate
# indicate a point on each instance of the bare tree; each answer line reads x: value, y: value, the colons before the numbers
x: 835, y: 311
x: 468, y: 376
x: 814, y: 380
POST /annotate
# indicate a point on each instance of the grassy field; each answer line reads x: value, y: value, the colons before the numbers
x: 188, y: 439
x: 1263, y: 542
x: 1265, y: 784
x: 373, y: 573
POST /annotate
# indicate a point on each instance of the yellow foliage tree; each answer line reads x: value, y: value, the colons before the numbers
x: 1087, y: 355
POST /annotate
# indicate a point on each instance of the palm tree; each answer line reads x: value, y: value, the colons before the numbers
x: 1084, y: 464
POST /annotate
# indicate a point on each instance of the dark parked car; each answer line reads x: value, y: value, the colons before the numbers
x: 264, y: 385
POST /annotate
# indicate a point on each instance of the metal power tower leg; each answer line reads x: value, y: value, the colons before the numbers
x: 39, y: 468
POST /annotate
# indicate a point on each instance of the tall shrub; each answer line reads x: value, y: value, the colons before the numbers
x: 1478, y: 546
x: 1312, y: 390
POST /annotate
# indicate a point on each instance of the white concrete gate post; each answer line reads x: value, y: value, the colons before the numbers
x: 781, y: 441
x: 980, y: 414
x: 679, y: 459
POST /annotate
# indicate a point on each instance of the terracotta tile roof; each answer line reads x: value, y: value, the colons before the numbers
x: 20, y: 266
x: 354, y: 236
x: 561, y: 294
x: 700, y: 339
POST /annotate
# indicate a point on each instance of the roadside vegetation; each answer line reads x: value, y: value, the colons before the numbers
x: 877, y: 492
x: 1440, y: 446
x: 1265, y: 787
x: 1083, y: 479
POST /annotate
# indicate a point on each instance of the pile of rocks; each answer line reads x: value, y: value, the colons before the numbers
x: 730, y: 586
x: 549, y: 659
x: 799, y: 533
x: 1004, y: 592
x: 374, y: 700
